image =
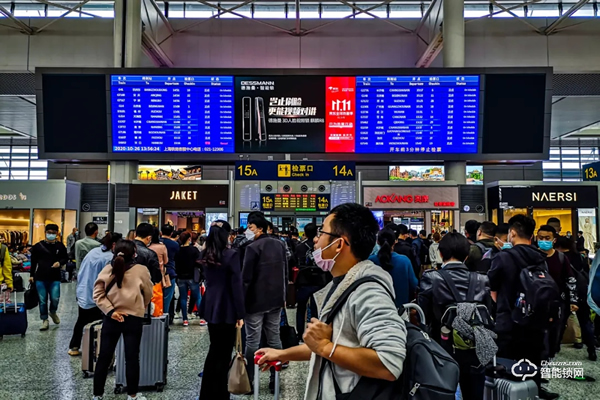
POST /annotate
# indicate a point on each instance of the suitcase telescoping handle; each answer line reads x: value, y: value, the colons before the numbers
x: 418, y: 309
x: 275, y: 364
x: 4, y: 298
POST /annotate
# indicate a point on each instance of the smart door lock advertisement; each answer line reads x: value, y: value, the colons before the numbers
x: 282, y: 114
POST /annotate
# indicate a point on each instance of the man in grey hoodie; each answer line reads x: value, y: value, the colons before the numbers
x: 367, y: 337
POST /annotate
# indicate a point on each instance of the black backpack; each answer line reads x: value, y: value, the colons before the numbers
x: 485, y: 264
x: 429, y: 372
x: 308, y: 272
x: 583, y: 281
x: 538, y: 299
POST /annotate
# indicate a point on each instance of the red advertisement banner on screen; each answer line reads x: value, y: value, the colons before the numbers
x: 340, y: 114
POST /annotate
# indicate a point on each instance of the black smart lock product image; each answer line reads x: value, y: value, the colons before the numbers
x: 259, y: 118
x: 246, y: 119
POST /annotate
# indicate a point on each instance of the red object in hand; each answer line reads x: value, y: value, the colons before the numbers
x: 276, y: 364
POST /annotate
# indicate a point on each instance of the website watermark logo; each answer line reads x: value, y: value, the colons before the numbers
x: 562, y: 370
x: 524, y: 369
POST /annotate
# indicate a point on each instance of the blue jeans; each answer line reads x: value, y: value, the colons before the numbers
x: 195, y: 296
x: 168, y: 293
x: 47, y: 289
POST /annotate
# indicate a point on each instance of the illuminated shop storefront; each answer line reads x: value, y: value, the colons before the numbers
x: 574, y: 204
x: 26, y: 207
x: 432, y: 207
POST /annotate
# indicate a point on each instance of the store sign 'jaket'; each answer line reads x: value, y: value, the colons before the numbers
x: 183, y: 195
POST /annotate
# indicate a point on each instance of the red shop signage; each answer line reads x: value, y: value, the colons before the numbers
x: 397, y: 198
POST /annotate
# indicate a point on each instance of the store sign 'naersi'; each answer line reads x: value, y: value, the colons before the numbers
x: 554, y: 196
x: 183, y: 195
x: 13, y: 197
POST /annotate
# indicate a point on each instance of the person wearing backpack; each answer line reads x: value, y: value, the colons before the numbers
x: 456, y: 302
x: 485, y: 242
x: 567, y: 246
x: 367, y: 337
x: 560, y: 270
x: 310, y: 277
x: 523, y: 337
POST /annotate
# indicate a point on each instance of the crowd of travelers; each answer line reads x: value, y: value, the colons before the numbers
x: 350, y: 282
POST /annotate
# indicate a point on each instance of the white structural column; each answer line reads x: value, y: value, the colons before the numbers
x: 128, y: 33
x: 454, y: 57
x: 127, y: 39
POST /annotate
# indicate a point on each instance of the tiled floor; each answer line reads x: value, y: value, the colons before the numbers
x: 38, y: 367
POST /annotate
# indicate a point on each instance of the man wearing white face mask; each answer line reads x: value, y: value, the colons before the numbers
x: 264, y: 275
x: 47, y: 257
x: 367, y: 337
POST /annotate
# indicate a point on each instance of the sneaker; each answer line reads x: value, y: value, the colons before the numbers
x: 203, y: 322
x: 55, y: 318
x: 45, y: 325
x: 137, y: 397
x: 186, y: 323
x: 74, y: 352
x: 578, y: 346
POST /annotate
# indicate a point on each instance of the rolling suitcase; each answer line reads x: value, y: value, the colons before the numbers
x: 499, y: 388
x: 90, y: 348
x: 13, y: 318
x: 153, y: 357
x: 277, y: 365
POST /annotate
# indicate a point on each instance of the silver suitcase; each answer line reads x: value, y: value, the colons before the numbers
x: 153, y: 357
x: 505, y: 389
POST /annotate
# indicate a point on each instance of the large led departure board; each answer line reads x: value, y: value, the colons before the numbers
x: 403, y: 114
x: 172, y: 113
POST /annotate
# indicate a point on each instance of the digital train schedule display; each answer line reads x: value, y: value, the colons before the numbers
x: 402, y: 114
x: 182, y: 114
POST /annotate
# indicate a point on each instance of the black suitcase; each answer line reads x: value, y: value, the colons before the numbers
x: 13, y: 318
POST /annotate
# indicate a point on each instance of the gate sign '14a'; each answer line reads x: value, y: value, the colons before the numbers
x: 591, y: 172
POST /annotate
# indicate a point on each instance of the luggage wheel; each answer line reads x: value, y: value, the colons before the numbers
x: 118, y: 389
x: 160, y: 387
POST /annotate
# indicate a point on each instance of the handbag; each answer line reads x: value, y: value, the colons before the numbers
x: 573, y: 331
x: 287, y: 333
x: 238, y: 381
x: 31, y: 297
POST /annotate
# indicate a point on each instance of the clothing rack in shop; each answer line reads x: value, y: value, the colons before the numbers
x: 15, y: 238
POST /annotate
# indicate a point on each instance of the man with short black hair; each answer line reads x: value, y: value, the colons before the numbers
x: 264, y: 275
x: 555, y: 223
x: 580, y: 242
x: 517, y: 342
x: 85, y: 245
x: 145, y: 256
x: 471, y: 228
x: 405, y: 248
x: 485, y: 242
x: 47, y: 257
x: 170, y: 274
x: 367, y: 337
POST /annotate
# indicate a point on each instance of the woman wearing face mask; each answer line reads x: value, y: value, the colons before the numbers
x: 222, y: 307
x: 189, y: 276
x: 122, y: 292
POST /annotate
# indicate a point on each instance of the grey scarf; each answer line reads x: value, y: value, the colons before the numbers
x: 485, y: 346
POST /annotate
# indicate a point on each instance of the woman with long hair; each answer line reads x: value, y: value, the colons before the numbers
x: 222, y: 307
x: 189, y: 276
x: 117, y: 294
x: 399, y: 267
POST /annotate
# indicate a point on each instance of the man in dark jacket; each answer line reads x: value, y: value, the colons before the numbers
x: 471, y: 227
x: 145, y: 256
x: 405, y: 248
x: 47, y: 257
x: 435, y: 296
x: 264, y: 275
x: 485, y: 242
x: 516, y: 342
